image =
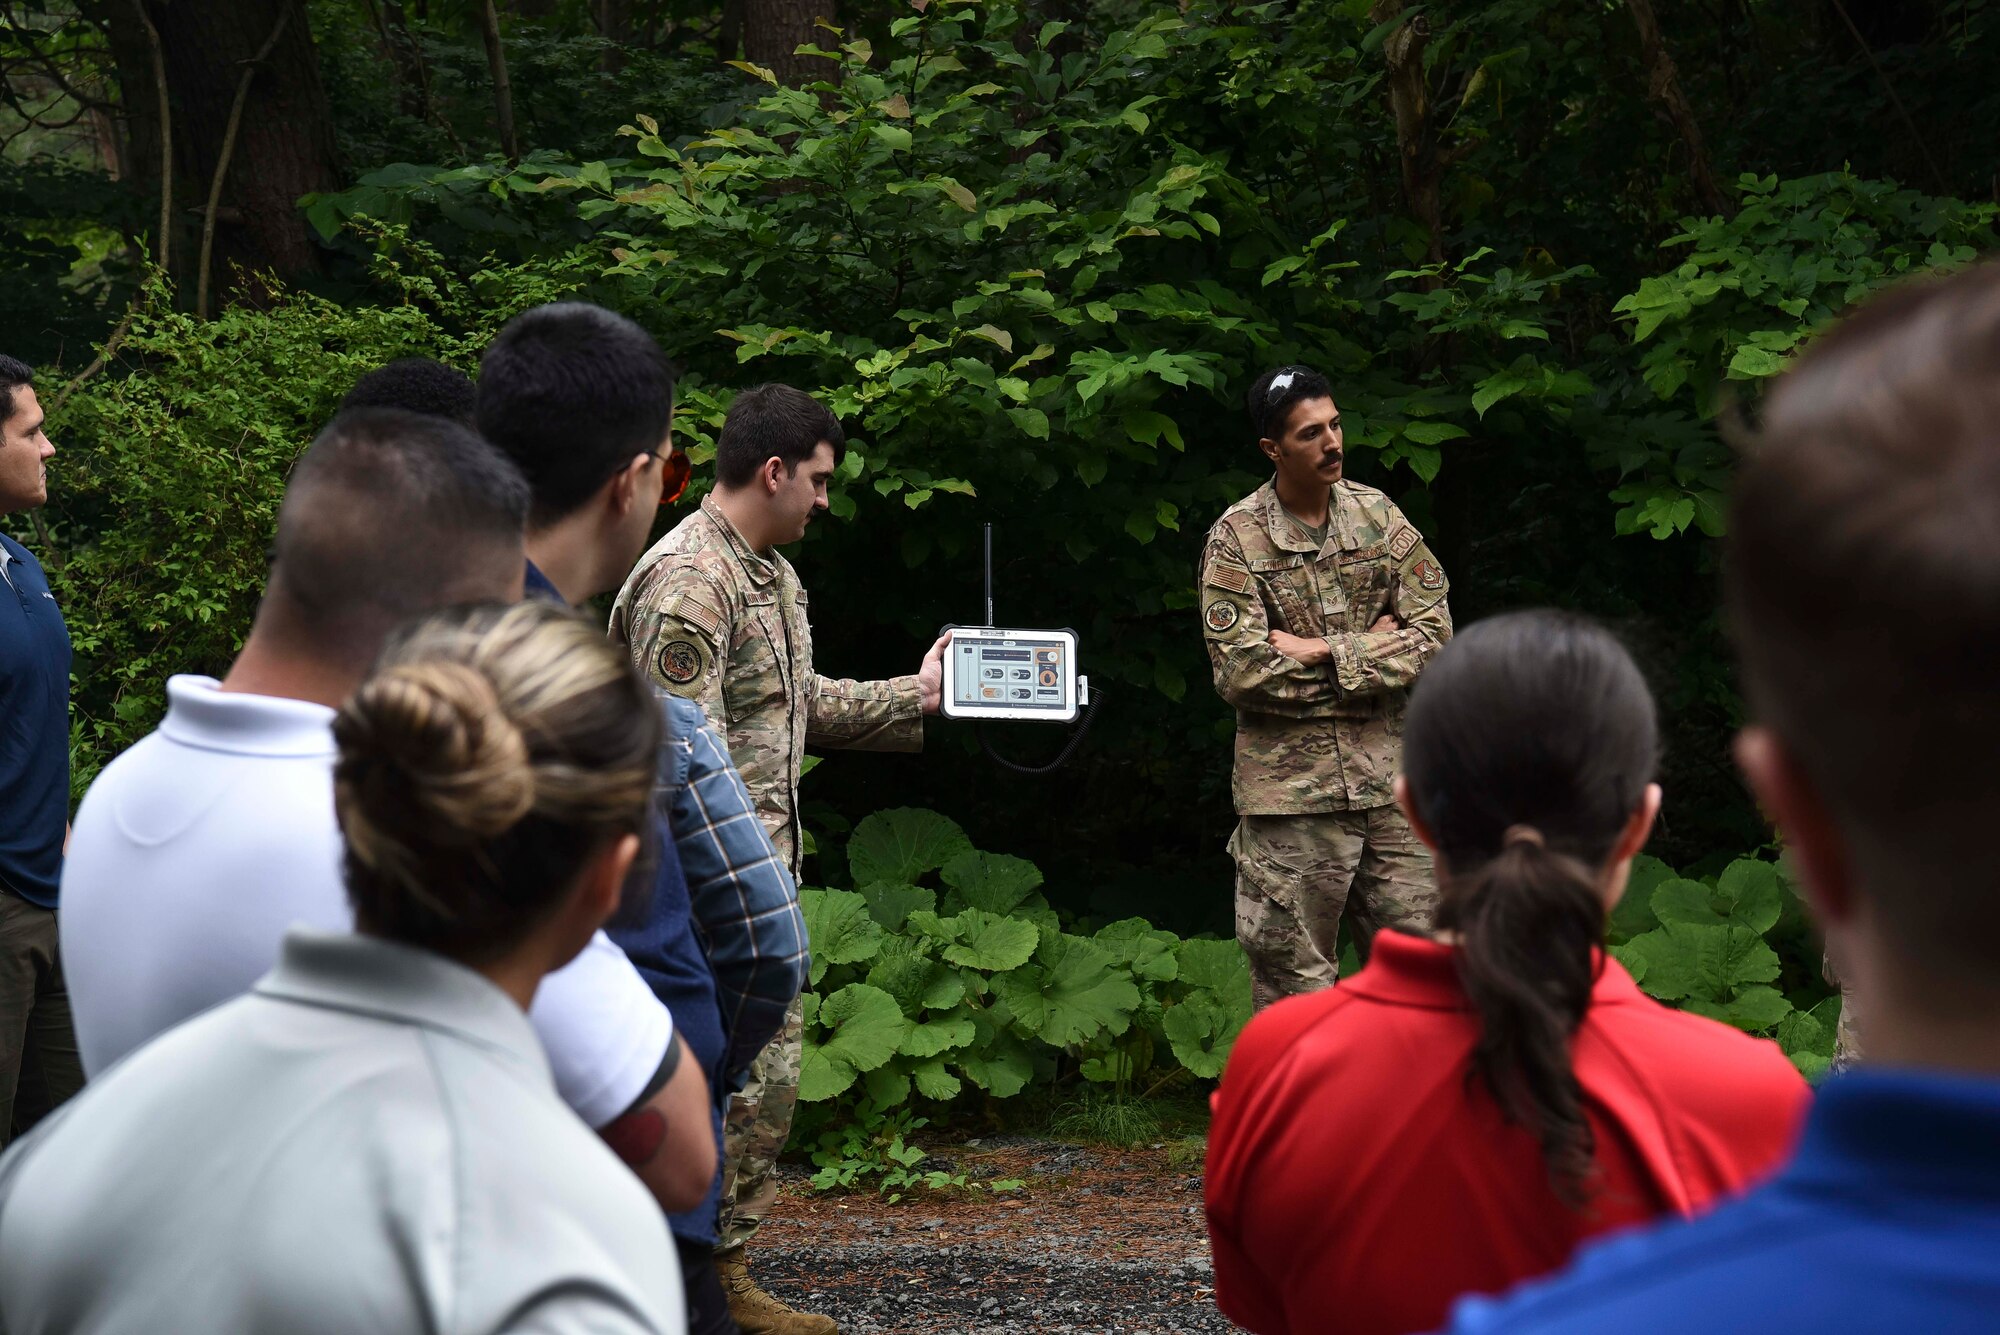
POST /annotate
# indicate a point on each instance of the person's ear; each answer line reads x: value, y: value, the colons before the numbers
x: 773, y: 475
x: 625, y: 485
x: 1639, y: 825
x: 1632, y: 837
x: 1270, y: 448
x: 1405, y: 803
x: 1812, y: 836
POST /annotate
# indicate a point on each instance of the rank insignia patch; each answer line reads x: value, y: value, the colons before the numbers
x: 680, y: 662
x: 1428, y: 574
x: 1221, y: 615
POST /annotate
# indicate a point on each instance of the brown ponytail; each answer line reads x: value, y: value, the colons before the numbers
x: 1529, y: 743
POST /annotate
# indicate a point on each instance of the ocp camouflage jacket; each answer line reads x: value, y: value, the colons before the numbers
x: 708, y: 618
x: 1323, y: 738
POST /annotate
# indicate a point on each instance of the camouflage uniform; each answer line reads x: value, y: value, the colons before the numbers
x: 1316, y: 747
x: 712, y: 620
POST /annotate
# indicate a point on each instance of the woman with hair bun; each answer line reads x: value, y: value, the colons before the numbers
x: 1462, y: 1112
x: 371, y: 1139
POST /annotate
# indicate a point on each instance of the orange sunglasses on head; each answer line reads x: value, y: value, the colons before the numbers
x: 676, y: 469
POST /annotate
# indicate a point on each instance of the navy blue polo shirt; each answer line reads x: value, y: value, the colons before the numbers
x: 34, y: 729
x: 1887, y: 1219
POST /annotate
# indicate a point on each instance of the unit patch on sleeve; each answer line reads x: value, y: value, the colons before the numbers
x: 1428, y: 574
x: 1402, y: 542
x: 680, y: 661
x: 1221, y: 615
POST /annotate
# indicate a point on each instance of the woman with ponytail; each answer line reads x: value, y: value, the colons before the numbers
x: 1464, y: 1111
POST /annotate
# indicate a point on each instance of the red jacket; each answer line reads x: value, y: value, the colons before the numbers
x: 1357, y: 1183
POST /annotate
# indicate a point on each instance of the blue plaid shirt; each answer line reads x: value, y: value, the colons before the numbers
x: 746, y: 905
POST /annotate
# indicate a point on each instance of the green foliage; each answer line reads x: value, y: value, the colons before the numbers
x: 985, y: 987
x: 1707, y: 946
x: 166, y: 488
x: 1752, y: 289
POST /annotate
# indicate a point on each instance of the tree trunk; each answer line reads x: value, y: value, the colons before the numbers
x: 613, y: 19
x: 1663, y: 85
x: 1416, y: 136
x: 284, y: 147
x: 503, y: 88
x: 774, y: 29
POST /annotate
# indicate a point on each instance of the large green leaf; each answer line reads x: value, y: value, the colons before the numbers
x: 1753, y: 1009
x: 934, y: 1081
x: 1751, y: 893
x: 839, y: 928
x: 907, y: 971
x: 1000, y: 1065
x: 1703, y: 961
x: 855, y: 1030
x: 887, y: 1086
x: 1073, y: 990
x: 898, y: 846
x: 992, y: 881
x: 1218, y: 967
x: 977, y: 940
x: 937, y: 1035
x: 1143, y: 948
x: 1748, y: 894
x: 891, y: 904
x: 1202, y: 1030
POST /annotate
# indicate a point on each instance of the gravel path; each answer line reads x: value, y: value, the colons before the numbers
x: 1097, y: 1240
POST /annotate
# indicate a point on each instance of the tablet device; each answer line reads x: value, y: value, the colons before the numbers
x: 991, y: 673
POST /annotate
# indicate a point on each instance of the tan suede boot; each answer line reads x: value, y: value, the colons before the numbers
x: 756, y: 1311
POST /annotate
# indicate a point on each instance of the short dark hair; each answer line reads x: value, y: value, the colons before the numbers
x: 418, y: 385
x: 389, y: 514
x: 1271, y: 397
x: 1530, y: 740
x: 571, y: 393
x: 13, y: 374
x: 773, y: 422
x: 1863, y: 588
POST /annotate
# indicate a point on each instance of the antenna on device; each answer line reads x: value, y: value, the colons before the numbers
x: 989, y: 576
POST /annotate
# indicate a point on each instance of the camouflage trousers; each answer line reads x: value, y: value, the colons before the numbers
x: 754, y: 1132
x: 1847, y: 1033
x: 1296, y: 876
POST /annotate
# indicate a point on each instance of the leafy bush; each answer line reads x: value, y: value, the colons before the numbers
x: 1733, y: 947
x: 946, y: 967
x: 946, y: 970
x: 164, y: 492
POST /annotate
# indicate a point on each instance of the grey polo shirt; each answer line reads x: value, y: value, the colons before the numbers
x: 369, y: 1141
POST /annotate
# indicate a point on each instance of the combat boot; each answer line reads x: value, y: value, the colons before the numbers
x: 756, y: 1311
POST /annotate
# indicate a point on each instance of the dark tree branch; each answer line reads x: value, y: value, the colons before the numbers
x: 1903, y: 112
x: 165, y: 238
x: 1663, y: 85
x: 222, y: 162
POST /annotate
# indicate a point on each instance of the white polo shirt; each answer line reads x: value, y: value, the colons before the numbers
x: 195, y: 850
x: 367, y: 1142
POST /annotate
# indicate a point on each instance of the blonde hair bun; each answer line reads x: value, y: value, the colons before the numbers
x: 433, y: 751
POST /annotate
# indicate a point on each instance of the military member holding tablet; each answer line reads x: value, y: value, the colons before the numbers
x: 715, y: 614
